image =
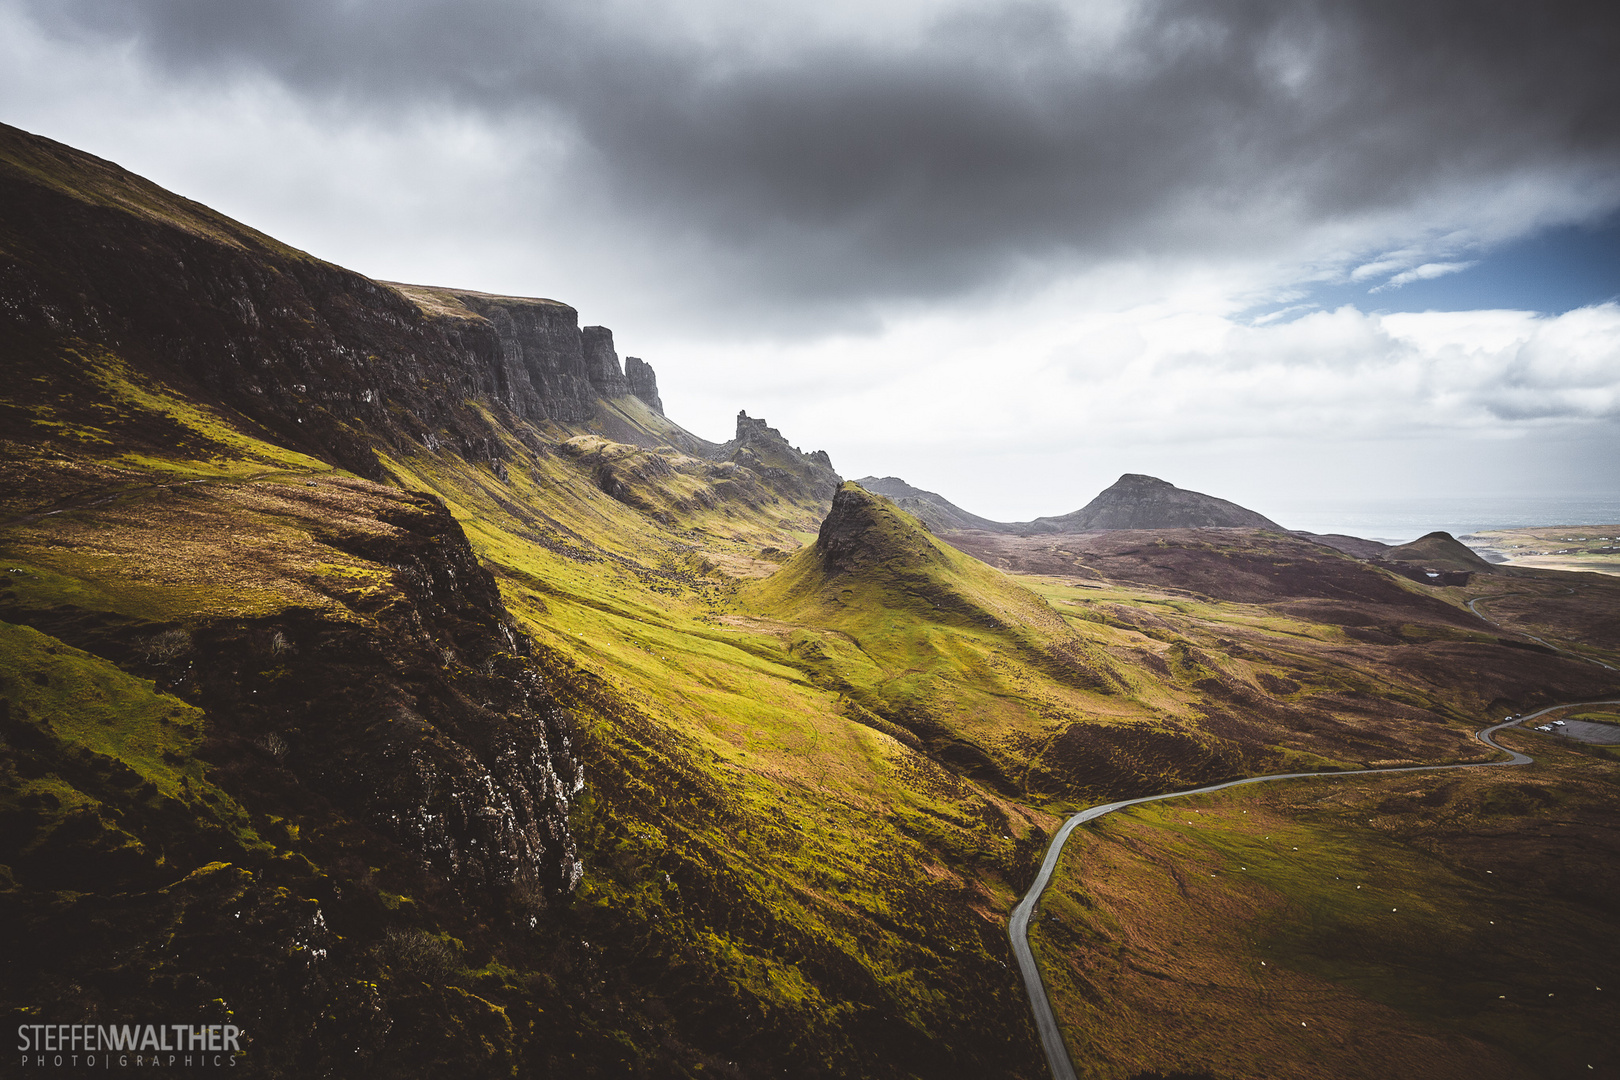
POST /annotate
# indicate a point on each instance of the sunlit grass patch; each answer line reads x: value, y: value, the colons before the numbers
x: 85, y: 703
x: 239, y: 453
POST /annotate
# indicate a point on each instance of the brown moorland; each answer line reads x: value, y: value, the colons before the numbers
x: 1457, y: 924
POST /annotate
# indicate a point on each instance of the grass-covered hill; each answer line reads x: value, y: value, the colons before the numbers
x: 1439, y: 551
x: 1131, y: 662
x: 381, y: 671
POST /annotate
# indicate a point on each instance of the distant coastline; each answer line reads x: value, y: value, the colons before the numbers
x: 1400, y: 521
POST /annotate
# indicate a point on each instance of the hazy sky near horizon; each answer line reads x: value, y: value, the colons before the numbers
x: 1277, y: 250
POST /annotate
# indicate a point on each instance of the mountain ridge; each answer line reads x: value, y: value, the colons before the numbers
x: 1134, y: 501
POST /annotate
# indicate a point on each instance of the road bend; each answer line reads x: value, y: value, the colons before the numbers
x: 1057, y: 1055
x: 1539, y: 641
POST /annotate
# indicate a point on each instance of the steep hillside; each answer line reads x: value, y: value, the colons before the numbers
x: 948, y: 655
x: 295, y: 742
x: 1129, y: 662
x: 115, y: 286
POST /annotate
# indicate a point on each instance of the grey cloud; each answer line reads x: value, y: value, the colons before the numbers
x: 998, y: 138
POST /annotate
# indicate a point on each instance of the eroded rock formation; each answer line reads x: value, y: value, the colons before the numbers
x: 643, y: 382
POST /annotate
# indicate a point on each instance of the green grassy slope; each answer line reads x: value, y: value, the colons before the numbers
x: 1069, y: 689
x: 764, y: 874
x: 821, y: 868
x: 923, y: 640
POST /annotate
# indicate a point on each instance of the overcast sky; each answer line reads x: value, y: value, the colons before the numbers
x: 1284, y: 252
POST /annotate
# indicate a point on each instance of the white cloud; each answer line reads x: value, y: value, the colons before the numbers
x: 1017, y: 398
x: 1076, y: 397
x: 1426, y: 272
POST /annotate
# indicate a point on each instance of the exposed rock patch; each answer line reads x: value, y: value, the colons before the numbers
x: 760, y: 447
x: 329, y: 362
x: 643, y: 382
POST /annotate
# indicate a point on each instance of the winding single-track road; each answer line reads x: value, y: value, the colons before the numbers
x: 1532, y: 637
x: 1057, y: 1057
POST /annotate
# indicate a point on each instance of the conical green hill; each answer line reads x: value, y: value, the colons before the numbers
x: 926, y: 643
x: 872, y: 562
x: 1439, y: 551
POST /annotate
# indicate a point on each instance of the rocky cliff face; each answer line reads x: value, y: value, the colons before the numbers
x: 541, y: 372
x: 433, y: 727
x: 857, y: 532
x: 602, y: 362
x: 330, y: 362
x: 760, y: 447
x: 643, y: 382
x: 425, y: 719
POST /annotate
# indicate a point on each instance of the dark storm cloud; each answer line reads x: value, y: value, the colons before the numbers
x: 992, y: 139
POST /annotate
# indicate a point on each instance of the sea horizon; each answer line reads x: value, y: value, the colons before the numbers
x: 1403, y: 520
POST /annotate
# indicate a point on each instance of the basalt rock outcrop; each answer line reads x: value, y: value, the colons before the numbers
x: 602, y: 362
x: 762, y: 449
x: 541, y: 367
x: 433, y: 726
x: 860, y: 532
x: 419, y: 714
x: 643, y: 382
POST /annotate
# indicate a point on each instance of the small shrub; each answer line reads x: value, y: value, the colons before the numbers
x: 419, y: 954
x: 272, y: 743
x: 279, y: 643
x: 527, y: 896
x: 167, y: 647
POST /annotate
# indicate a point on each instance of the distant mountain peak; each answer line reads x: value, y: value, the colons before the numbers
x: 1138, y: 501
x: 1439, y: 551
x: 1134, y: 501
